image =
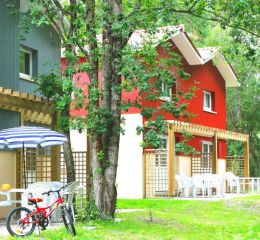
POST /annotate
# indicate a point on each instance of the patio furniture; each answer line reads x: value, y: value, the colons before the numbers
x: 184, y: 185
x: 198, y: 184
x: 72, y: 190
x: 214, y: 181
x: 8, y: 201
x: 233, y: 182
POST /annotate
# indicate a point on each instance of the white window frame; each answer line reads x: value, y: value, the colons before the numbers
x: 23, y: 75
x: 206, y: 143
x: 166, y: 98
x: 206, y: 164
x: 206, y: 108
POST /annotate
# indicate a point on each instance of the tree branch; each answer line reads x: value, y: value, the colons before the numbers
x: 193, y: 5
x: 219, y: 19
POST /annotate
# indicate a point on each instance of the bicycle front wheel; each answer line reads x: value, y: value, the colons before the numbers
x: 68, y: 221
x: 19, y: 223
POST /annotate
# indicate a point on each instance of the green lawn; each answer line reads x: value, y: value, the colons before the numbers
x: 175, y: 219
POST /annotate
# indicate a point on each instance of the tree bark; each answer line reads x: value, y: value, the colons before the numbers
x: 68, y: 156
x: 105, y: 170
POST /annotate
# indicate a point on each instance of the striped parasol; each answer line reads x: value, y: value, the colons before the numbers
x: 29, y: 137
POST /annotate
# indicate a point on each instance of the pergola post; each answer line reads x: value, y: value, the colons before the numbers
x: 22, y: 118
x: 144, y: 175
x: 171, y: 151
x: 246, y: 158
x: 214, y: 153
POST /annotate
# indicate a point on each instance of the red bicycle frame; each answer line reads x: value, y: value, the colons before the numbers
x: 46, y: 214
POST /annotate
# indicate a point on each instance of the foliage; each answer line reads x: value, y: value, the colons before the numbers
x: 243, y: 103
x: 86, y: 211
x: 79, y: 22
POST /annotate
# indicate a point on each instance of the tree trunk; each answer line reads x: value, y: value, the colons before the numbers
x: 68, y: 156
x: 105, y: 170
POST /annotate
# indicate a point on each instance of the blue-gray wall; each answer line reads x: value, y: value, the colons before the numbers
x: 43, y: 40
x: 9, y: 119
x: 9, y: 48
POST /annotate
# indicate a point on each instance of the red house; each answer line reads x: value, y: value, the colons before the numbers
x: 150, y: 172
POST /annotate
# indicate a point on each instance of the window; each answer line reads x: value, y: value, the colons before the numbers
x: 206, y: 154
x: 166, y: 92
x: 25, y: 63
x: 208, y: 101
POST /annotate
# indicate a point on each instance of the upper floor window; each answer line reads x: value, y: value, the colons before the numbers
x: 25, y: 64
x: 208, y: 101
x: 166, y: 91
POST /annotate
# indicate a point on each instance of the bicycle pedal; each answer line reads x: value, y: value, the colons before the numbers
x: 43, y: 228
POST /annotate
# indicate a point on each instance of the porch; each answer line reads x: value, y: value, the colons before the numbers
x: 160, y: 166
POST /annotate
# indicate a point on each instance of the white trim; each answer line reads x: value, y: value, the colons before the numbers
x: 206, y: 142
x: 187, y: 49
x: 209, y: 111
x: 165, y: 97
x: 226, y: 71
x: 205, y: 108
x: 23, y: 75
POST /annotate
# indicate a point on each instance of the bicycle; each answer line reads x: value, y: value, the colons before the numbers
x: 24, y: 220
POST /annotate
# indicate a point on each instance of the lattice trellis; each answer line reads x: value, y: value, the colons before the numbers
x: 236, y: 165
x: 156, y: 173
x: 38, y: 166
x: 80, y: 164
x: 201, y: 164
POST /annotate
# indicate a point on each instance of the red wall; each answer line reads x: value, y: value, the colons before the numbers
x: 208, y: 79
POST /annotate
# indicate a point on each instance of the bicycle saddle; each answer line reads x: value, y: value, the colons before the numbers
x: 34, y: 200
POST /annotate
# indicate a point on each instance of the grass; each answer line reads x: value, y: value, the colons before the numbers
x: 235, y: 219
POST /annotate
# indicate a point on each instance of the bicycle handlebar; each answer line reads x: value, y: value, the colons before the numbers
x: 57, y: 190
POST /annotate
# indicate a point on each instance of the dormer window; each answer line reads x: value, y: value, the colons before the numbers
x: 25, y: 64
x: 208, y: 101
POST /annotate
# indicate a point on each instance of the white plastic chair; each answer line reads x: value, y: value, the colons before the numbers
x: 182, y: 186
x: 214, y: 181
x: 232, y: 182
x: 72, y: 189
x: 8, y: 201
x: 198, y: 184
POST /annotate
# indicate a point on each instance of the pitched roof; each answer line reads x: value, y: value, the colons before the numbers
x: 193, y: 55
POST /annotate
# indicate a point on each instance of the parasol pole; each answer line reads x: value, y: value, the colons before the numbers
x: 24, y: 168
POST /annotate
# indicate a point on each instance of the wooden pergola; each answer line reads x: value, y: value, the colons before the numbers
x: 198, y: 130
x: 32, y: 108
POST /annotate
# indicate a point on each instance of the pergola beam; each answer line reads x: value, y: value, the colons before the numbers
x: 203, y: 131
x: 31, y: 107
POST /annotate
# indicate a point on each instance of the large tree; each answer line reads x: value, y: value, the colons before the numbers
x: 79, y: 23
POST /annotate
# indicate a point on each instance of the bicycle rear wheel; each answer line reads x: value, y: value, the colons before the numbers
x: 68, y: 221
x: 19, y: 224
